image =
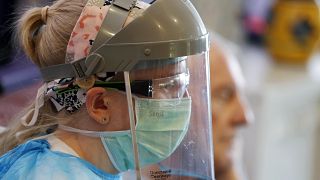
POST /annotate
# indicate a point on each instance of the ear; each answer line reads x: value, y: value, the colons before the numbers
x: 97, y: 105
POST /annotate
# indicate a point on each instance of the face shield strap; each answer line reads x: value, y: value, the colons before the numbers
x: 75, y: 69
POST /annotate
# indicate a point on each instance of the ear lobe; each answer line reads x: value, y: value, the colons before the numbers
x: 97, y: 105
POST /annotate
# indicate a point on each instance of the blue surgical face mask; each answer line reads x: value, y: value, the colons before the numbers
x: 161, y: 126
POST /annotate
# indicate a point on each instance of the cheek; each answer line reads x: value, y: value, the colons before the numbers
x: 221, y: 113
x: 119, y: 112
x: 218, y: 114
x: 216, y: 128
x: 219, y: 124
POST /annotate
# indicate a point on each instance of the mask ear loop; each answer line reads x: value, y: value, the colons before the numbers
x: 187, y: 93
x: 132, y: 124
x: 38, y: 105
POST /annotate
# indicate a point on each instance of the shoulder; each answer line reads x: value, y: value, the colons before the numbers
x: 21, y: 158
x: 35, y: 160
x: 22, y: 150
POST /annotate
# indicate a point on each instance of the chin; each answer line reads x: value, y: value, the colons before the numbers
x: 222, y: 162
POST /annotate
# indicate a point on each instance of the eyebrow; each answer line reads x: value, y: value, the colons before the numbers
x: 224, y: 86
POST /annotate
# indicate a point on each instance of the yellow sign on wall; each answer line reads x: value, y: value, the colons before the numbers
x: 294, y: 30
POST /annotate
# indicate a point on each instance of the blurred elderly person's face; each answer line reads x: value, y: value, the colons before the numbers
x: 228, y: 112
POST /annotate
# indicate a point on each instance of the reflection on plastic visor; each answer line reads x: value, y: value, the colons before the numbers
x: 168, y: 87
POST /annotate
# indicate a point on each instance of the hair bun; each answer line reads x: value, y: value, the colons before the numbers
x: 44, y: 14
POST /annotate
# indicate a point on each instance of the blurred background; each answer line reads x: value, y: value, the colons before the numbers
x: 278, y: 49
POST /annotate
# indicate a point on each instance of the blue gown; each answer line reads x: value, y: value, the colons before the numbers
x: 35, y: 161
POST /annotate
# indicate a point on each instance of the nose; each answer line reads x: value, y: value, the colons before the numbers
x: 242, y: 112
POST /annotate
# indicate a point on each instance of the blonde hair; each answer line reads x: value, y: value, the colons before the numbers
x: 45, y: 44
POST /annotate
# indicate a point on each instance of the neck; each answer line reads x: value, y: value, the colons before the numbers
x: 88, y: 148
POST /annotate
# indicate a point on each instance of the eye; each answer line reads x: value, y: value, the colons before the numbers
x: 224, y: 95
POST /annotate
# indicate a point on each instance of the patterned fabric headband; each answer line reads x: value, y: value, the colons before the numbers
x: 86, y: 30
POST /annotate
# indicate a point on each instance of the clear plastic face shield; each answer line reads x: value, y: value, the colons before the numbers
x: 159, y: 93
